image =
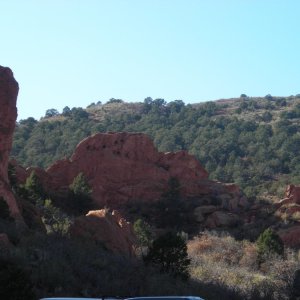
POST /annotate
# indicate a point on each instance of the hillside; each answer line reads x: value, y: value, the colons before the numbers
x: 253, y: 142
x: 120, y: 217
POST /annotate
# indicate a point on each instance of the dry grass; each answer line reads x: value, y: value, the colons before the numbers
x: 296, y: 216
x: 99, y: 112
x: 233, y: 264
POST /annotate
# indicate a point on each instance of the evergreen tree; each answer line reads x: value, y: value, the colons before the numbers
x: 169, y: 254
x: 12, y: 175
x: 269, y: 243
x: 55, y: 221
x: 170, y: 206
x: 80, y: 195
x: 143, y: 233
x: 80, y: 185
x: 33, y: 189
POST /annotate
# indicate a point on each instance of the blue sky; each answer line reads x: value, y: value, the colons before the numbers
x: 71, y: 52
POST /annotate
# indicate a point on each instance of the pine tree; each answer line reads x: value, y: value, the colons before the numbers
x: 169, y: 254
x: 269, y: 243
x: 80, y: 194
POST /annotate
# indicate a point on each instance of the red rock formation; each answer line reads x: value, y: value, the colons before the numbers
x: 221, y: 219
x: 124, y: 167
x: 108, y: 228
x: 290, y: 205
x: 288, y: 209
x: 121, y: 167
x: 292, y: 195
x: 201, y: 212
x: 8, y: 113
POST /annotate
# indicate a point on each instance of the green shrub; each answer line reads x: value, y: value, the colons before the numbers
x: 169, y: 254
x: 269, y: 243
x: 143, y: 232
x: 33, y: 189
x: 55, y: 221
x: 80, y: 195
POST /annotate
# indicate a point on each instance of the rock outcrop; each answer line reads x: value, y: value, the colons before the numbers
x: 107, y: 228
x: 124, y: 167
x: 222, y: 219
x: 290, y: 204
x: 203, y: 211
x: 8, y: 114
x: 292, y: 195
x: 288, y: 210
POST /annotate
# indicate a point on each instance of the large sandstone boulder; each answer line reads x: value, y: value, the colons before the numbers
x: 292, y: 195
x: 8, y: 113
x: 124, y: 167
x: 201, y: 212
x: 289, y: 207
x: 107, y: 228
x: 289, y: 210
x: 232, y: 198
x: 222, y: 219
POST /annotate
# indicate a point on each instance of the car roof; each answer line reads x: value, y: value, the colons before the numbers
x: 72, y: 298
x: 132, y: 298
x: 166, y: 298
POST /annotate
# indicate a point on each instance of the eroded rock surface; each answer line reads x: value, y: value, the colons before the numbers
x: 8, y: 114
x: 107, y: 228
x: 292, y: 195
x: 124, y: 167
x: 289, y: 206
x: 222, y: 219
x: 288, y: 211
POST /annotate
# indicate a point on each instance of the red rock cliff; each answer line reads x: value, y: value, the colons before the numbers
x: 8, y: 113
x: 109, y: 228
x: 123, y: 167
x: 292, y: 195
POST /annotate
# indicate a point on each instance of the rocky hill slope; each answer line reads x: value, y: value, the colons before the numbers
x: 250, y: 141
x: 61, y: 252
x: 122, y: 169
x: 125, y: 170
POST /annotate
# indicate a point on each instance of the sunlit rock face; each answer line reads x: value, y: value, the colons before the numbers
x: 122, y: 167
x: 126, y: 166
x: 107, y: 228
x: 292, y: 195
x: 8, y: 114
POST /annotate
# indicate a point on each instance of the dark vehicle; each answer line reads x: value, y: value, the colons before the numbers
x: 133, y: 298
x: 166, y: 298
x: 68, y: 298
